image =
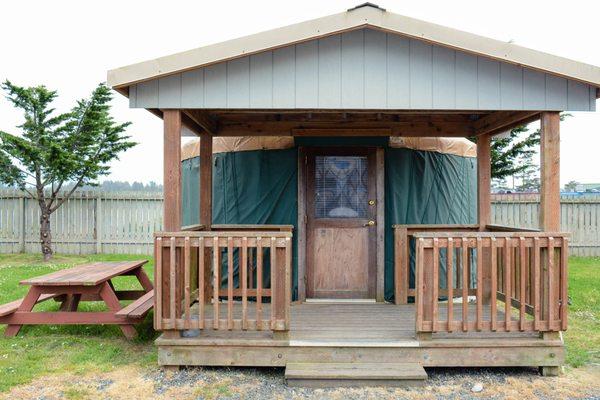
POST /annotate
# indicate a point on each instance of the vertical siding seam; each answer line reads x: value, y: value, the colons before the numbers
x: 387, y: 70
x: 477, y: 80
x: 272, y: 77
x: 295, y: 75
x: 386, y: 73
x: 364, y: 69
x: 409, y: 74
x: 545, y: 91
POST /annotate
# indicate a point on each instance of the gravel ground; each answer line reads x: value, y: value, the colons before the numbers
x: 268, y: 383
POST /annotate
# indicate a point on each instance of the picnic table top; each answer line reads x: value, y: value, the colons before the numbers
x: 85, y: 275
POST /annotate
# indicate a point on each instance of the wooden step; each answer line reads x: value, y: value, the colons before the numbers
x: 354, y: 374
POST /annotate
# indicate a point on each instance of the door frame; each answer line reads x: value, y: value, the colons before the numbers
x: 379, y: 175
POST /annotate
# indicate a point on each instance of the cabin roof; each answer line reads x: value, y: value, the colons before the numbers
x: 364, y: 16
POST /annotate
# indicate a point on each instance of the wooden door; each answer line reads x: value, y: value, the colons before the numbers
x: 341, y: 215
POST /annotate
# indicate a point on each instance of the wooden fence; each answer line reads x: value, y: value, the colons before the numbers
x: 89, y: 222
x: 114, y: 222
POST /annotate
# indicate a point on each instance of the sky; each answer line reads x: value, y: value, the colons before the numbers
x: 70, y: 45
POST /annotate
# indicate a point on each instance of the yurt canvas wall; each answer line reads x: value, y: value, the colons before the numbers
x: 427, y: 181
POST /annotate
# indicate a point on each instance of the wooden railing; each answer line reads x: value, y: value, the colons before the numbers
x: 402, y: 254
x: 525, y: 271
x: 189, y: 281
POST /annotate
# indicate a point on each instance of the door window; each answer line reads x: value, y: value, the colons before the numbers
x: 341, y: 187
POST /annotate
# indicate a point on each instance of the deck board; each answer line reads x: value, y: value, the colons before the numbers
x: 349, y: 323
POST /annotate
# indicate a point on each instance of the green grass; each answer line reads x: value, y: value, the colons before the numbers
x: 39, y: 350
x: 583, y: 335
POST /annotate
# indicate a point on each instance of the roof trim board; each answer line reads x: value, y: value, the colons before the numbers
x: 364, y: 17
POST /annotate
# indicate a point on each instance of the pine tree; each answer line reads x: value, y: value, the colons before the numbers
x: 54, y: 151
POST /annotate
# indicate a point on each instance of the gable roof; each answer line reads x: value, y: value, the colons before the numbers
x: 364, y: 16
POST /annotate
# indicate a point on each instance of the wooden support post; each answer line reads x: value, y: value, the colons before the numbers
x: 484, y: 208
x: 172, y: 171
x: 550, y: 172
x: 172, y: 198
x: 23, y: 225
x: 206, y: 180
x: 98, y: 224
x: 206, y: 142
x: 549, y: 196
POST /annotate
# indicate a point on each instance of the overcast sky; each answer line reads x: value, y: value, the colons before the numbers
x: 69, y: 46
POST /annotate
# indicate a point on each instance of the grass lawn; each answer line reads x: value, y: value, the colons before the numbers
x: 44, y: 350
x: 39, y: 350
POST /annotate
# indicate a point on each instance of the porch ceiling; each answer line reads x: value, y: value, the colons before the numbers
x: 351, y: 122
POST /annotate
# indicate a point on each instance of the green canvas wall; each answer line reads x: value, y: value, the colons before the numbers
x: 260, y: 187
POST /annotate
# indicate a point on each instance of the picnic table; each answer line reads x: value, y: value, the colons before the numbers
x: 88, y: 282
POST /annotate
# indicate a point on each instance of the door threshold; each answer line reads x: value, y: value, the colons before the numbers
x: 341, y: 301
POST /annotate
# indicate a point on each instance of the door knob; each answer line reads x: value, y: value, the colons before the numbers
x: 370, y: 223
x: 371, y: 202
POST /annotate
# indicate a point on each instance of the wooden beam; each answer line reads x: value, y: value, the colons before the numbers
x: 484, y: 179
x: 206, y: 142
x: 204, y: 120
x: 341, y: 132
x: 172, y: 170
x: 345, y: 128
x: 191, y: 124
x: 501, y: 121
x: 550, y: 172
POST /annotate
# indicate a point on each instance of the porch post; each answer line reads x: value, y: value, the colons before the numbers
x: 205, y: 204
x: 171, y: 202
x: 206, y: 180
x: 484, y: 188
x: 550, y: 172
x: 484, y: 179
x: 172, y: 171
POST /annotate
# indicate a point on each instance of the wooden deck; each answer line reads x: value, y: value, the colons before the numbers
x: 349, y: 332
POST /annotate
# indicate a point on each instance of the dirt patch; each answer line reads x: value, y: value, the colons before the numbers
x: 267, y: 383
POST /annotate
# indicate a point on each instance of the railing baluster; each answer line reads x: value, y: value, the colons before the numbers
x: 216, y: 281
x: 537, y: 303
x: 274, y: 299
x: 564, y: 300
x: 551, y: 285
x: 259, y: 282
x: 479, y: 310
x: 522, y: 281
x: 288, y: 281
x: 244, y: 278
x: 186, y: 282
x: 201, y: 294
x: 230, y: 283
x: 172, y: 281
x: 494, y: 289
x: 419, y: 286
x: 465, y: 284
x: 435, y: 284
x: 449, y: 282
x: 158, y: 266
x: 507, y: 283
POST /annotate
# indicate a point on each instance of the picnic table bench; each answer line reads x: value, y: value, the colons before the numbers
x: 88, y: 282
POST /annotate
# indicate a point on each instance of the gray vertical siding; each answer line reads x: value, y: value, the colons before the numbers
x: 365, y: 69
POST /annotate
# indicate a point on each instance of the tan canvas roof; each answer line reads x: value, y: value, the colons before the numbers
x: 363, y: 17
x: 457, y: 146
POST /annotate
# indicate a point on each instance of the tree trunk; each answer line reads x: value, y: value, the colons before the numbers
x: 45, y: 234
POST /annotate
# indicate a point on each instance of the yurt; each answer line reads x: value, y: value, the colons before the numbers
x: 427, y: 180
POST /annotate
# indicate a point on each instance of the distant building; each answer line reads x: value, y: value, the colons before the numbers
x: 587, y: 187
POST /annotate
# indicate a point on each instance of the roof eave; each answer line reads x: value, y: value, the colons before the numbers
x: 366, y: 17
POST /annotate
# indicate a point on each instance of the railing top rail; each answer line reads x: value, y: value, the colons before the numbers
x: 195, y: 234
x: 435, y: 226
x: 431, y: 235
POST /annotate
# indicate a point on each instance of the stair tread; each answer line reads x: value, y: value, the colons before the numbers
x: 360, y: 371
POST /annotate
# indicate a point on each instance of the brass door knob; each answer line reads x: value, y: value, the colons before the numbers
x: 371, y: 202
x: 370, y: 223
